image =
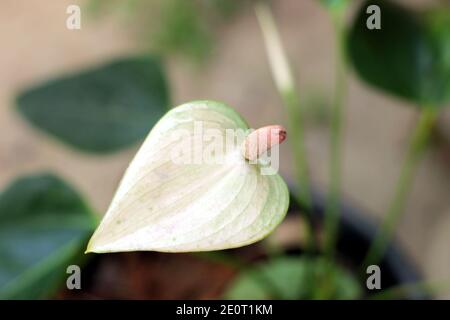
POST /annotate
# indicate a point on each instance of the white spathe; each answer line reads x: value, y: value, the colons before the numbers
x: 164, y: 205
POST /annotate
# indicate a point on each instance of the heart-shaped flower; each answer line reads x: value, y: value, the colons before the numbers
x: 196, y: 184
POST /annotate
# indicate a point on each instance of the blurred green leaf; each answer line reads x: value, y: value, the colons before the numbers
x: 437, y: 31
x: 103, y: 109
x: 334, y: 4
x: 182, y: 29
x: 44, y: 225
x: 293, y: 278
x: 178, y: 28
x: 225, y: 8
x: 405, y: 57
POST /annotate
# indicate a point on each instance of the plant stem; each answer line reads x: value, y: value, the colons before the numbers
x: 284, y: 81
x: 396, y: 208
x: 340, y: 94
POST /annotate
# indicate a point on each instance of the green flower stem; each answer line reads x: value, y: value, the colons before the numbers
x: 396, y: 208
x: 294, y: 111
x: 340, y: 95
x: 284, y: 81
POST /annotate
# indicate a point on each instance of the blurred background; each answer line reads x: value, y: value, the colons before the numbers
x: 231, y: 67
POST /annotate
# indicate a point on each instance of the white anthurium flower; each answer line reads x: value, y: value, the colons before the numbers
x: 196, y: 184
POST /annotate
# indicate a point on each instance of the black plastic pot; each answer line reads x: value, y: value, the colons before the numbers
x: 356, y: 232
x: 136, y: 275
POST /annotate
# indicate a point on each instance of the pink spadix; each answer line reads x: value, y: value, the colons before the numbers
x: 261, y: 140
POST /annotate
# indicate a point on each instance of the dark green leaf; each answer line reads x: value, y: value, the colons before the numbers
x: 293, y: 278
x: 44, y: 225
x: 404, y: 57
x: 100, y: 110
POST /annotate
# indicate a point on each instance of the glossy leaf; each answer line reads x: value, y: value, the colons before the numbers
x: 44, y: 225
x: 166, y: 205
x: 404, y: 58
x: 100, y: 110
x: 293, y: 278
